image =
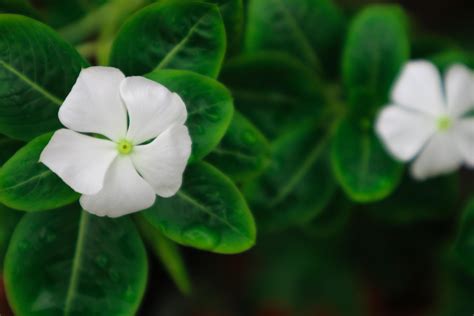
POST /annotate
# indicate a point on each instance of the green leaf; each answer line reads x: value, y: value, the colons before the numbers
x: 360, y: 163
x: 8, y: 147
x: 464, y: 245
x: 28, y: 185
x: 376, y: 48
x: 448, y: 58
x: 168, y: 253
x: 37, y: 71
x: 171, y: 34
x: 310, y: 30
x: 209, y: 106
x: 208, y: 213
x: 232, y: 12
x: 243, y: 152
x: 69, y: 262
x: 23, y: 7
x: 298, y: 184
x: 264, y: 94
x: 8, y: 220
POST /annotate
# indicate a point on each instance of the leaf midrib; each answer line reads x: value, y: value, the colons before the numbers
x: 40, y: 175
x: 31, y: 83
x: 202, y: 207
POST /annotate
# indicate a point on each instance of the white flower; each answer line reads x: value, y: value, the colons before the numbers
x: 428, y: 121
x: 144, y: 149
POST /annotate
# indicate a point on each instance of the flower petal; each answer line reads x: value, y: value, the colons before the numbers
x: 464, y: 137
x: 440, y: 156
x: 162, y: 162
x: 459, y: 90
x: 152, y: 108
x: 124, y: 192
x: 94, y: 104
x: 419, y: 88
x: 79, y: 160
x: 404, y: 132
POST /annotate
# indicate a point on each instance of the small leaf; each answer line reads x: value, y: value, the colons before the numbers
x: 243, y: 152
x: 209, y: 106
x: 264, y: 94
x: 28, y: 185
x: 310, y: 30
x: 37, y: 71
x: 8, y: 221
x: 376, y: 48
x: 360, y: 163
x: 69, y: 262
x: 464, y: 245
x: 174, y: 35
x: 208, y: 213
x: 168, y: 253
x: 298, y: 184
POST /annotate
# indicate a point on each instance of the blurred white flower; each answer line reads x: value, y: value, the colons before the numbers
x: 428, y: 121
x: 144, y: 146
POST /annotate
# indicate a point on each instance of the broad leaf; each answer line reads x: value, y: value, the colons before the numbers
x: 37, y: 70
x: 168, y: 253
x: 28, y: 185
x: 298, y: 184
x: 8, y: 147
x: 360, y: 163
x: 232, y: 12
x: 209, y: 106
x: 376, y: 48
x: 8, y: 220
x: 310, y: 30
x: 208, y: 213
x: 171, y: 34
x: 243, y: 152
x: 264, y: 94
x: 69, y: 262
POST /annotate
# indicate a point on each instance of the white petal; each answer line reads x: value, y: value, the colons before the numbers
x: 162, y: 162
x: 404, y: 132
x: 79, y: 160
x: 94, y: 104
x: 440, y: 156
x: 464, y: 137
x: 124, y: 192
x: 459, y: 90
x: 419, y: 87
x: 152, y: 108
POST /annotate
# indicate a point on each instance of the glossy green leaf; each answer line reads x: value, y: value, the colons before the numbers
x: 69, y: 262
x: 464, y: 246
x: 171, y: 34
x: 243, y: 152
x: 310, y: 30
x: 8, y: 147
x: 208, y: 213
x: 8, y: 221
x: 232, y: 12
x: 360, y: 163
x: 168, y: 253
x: 28, y: 185
x: 298, y: 184
x: 37, y: 70
x: 264, y: 94
x: 209, y: 106
x: 376, y: 48
x: 414, y: 200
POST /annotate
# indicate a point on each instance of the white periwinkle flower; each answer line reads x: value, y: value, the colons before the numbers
x: 144, y: 149
x: 428, y: 120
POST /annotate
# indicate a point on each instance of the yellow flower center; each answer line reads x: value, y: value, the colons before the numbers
x: 444, y: 123
x: 124, y: 147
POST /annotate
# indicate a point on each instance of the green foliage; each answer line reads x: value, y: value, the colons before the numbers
x: 7, y: 148
x: 361, y: 165
x: 168, y: 253
x: 37, y: 70
x: 310, y: 30
x: 376, y: 48
x: 77, y: 264
x: 298, y: 184
x: 264, y: 94
x: 232, y: 12
x: 173, y: 34
x: 447, y: 58
x: 209, y: 106
x: 243, y: 153
x: 28, y: 185
x: 208, y: 213
x: 8, y: 220
x: 464, y: 246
